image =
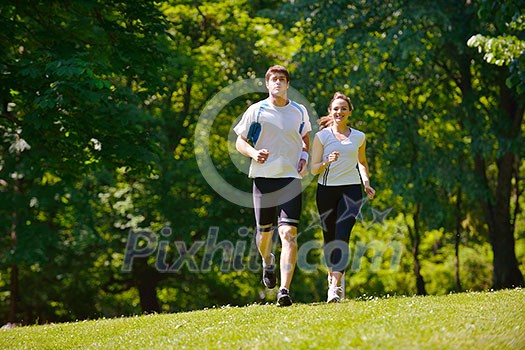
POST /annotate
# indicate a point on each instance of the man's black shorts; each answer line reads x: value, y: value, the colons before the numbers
x: 277, y: 198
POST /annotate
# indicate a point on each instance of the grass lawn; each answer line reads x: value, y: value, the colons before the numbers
x: 489, y: 320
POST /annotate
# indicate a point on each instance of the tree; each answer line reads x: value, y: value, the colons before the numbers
x: 73, y: 84
x: 504, y: 49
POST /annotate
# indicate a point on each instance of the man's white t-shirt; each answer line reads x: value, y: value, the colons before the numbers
x: 280, y: 135
x: 344, y: 171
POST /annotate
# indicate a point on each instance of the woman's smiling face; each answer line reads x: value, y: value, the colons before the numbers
x: 340, y: 110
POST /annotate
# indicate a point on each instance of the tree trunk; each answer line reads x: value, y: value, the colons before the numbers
x: 420, y: 282
x: 13, y: 294
x: 13, y: 284
x: 147, y: 286
x: 415, y: 238
x: 146, y: 280
x: 506, y: 271
x: 457, y: 242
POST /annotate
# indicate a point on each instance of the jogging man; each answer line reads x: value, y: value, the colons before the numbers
x: 274, y: 134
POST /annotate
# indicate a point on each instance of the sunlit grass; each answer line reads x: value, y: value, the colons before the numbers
x: 491, y: 320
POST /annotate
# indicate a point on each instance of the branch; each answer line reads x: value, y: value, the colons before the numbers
x: 9, y: 116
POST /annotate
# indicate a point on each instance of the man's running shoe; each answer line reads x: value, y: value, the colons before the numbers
x: 269, y: 277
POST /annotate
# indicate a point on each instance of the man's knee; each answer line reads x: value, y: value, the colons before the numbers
x: 288, y: 234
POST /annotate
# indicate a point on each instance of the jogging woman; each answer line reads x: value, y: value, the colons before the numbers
x: 339, y: 157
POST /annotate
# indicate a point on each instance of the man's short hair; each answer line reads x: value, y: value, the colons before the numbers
x: 277, y: 69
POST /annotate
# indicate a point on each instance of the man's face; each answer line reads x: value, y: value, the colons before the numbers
x: 277, y: 85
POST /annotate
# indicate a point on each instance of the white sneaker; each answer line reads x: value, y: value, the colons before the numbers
x: 334, y: 293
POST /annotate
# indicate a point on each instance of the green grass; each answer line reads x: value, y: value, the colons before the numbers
x: 491, y: 320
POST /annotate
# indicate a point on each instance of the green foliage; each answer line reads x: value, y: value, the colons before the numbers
x: 506, y: 50
x: 73, y: 80
x: 499, y: 51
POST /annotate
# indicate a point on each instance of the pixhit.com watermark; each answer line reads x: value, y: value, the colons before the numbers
x: 201, y: 256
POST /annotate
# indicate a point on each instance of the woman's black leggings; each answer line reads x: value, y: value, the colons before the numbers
x: 338, y: 208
